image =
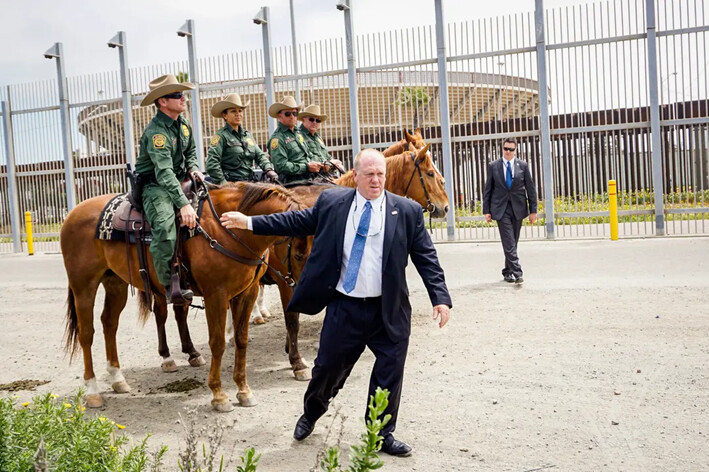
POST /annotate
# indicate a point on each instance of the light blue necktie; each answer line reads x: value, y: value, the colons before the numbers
x: 508, y: 176
x: 357, y: 249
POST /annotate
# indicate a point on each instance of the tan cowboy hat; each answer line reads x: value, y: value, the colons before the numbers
x: 164, y: 85
x: 287, y: 103
x: 233, y: 100
x: 312, y: 110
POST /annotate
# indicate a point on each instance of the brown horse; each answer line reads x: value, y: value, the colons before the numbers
x: 426, y: 187
x: 219, y: 279
x: 402, y: 146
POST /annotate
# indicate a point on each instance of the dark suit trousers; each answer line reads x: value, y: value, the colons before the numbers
x: 350, y: 325
x: 509, y: 228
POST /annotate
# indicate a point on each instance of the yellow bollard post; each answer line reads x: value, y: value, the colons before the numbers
x: 613, y: 207
x: 28, y: 226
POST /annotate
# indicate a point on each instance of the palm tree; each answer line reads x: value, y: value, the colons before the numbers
x: 182, y: 77
x: 415, y: 97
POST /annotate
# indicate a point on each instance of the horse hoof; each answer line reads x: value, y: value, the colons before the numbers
x: 169, y: 366
x: 265, y: 313
x: 222, y: 407
x: 302, y: 374
x: 246, y: 399
x: 197, y: 361
x: 120, y: 387
x: 258, y: 320
x: 94, y: 401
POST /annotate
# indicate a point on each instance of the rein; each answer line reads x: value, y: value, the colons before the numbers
x: 214, y: 244
x: 430, y: 207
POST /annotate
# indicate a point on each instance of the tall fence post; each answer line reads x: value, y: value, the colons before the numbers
x: 15, y: 221
x: 119, y: 41
x: 445, y: 115
x: 262, y: 18
x: 346, y: 7
x: 544, y: 127
x: 655, y: 118
x: 57, y: 52
x: 295, y: 52
x: 188, y: 31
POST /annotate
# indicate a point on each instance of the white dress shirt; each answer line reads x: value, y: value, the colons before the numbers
x: 369, y: 278
x: 505, y: 162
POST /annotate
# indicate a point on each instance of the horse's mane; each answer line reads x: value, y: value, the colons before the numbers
x: 253, y: 193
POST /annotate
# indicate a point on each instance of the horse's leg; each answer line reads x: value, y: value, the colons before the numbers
x: 84, y: 297
x: 260, y: 311
x: 160, y: 310
x: 188, y: 348
x: 215, y: 305
x: 241, y: 307
x: 301, y: 371
x: 115, y: 301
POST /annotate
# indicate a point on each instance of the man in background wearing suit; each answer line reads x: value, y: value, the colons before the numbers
x: 509, y: 197
x: 357, y: 268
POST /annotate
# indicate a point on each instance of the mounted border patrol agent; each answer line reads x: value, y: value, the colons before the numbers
x: 311, y: 117
x: 167, y: 155
x: 289, y: 152
x: 233, y: 150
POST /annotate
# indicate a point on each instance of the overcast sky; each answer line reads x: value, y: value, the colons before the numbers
x: 84, y: 26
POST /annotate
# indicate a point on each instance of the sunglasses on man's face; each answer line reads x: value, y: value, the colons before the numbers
x: 509, y: 149
x: 176, y: 95
x: 314, y: 120
x: 288, y: 114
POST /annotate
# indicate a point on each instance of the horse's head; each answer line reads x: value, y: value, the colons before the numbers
x: 426, y: 185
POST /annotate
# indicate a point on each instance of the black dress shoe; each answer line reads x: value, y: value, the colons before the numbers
x: 510, y: 278
x: 303, y: 428
x: 394, y: 447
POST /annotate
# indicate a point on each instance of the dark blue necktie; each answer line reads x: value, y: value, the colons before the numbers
x: 357, y: 249
x: 508, y: 175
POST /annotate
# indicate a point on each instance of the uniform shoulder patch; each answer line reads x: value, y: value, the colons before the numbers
x: 159, y: 141
x: 186, y: 131
x: 274, y: 143
x: 215, y: 140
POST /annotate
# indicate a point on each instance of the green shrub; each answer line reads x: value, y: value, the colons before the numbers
x: 57, y: 435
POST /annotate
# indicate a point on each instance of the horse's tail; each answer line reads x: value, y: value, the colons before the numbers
x: 71, y: 333
x: 143, y: 306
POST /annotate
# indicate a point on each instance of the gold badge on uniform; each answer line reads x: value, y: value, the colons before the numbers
x: 215, y: 139
x: 321, y: 142
x: 159, y: 141
x: 250, y: 142
x: 274, y: 143
x: 300, y: 138
x: 186, y: 131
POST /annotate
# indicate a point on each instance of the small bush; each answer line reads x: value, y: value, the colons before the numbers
x: 57, y: 435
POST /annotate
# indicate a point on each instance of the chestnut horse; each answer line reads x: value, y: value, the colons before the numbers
x: 219, y: 279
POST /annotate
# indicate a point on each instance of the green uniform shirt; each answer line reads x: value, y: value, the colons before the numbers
x: 289, y: 154
x: 232, y: 153
x: 167, y: 153
x: 316, y: 146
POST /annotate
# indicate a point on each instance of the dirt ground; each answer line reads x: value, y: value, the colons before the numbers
x: 598, y: 362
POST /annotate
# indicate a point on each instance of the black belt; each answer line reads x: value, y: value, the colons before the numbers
x: 358, y: 299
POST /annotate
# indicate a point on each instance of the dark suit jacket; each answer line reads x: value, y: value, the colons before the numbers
x: 523, y: 194
x: 404, y: 235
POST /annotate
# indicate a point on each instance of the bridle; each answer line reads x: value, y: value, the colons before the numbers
x: 256, y: 261
x: 430, y: 207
